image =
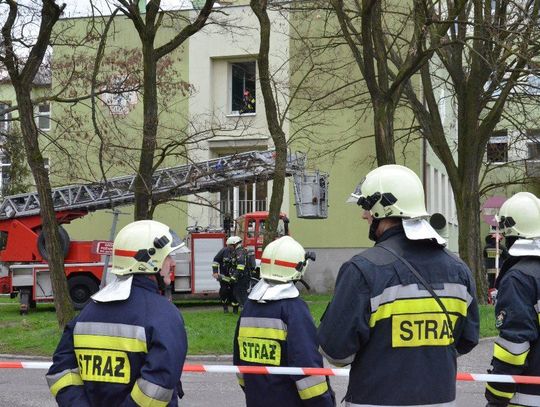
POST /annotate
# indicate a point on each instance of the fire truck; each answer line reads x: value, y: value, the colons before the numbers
x: 23, y: 258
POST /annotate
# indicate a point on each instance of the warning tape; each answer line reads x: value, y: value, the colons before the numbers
x: 299, y: 371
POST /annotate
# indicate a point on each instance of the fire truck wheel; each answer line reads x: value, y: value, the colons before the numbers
x: 64, y: 241
x: 81, y: 288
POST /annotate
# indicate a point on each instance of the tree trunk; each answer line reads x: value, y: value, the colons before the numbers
x: 62, y: 302
x: 468, y: 211
x: 383, y: 120
x: 143, y: 182
x: 277, y: 133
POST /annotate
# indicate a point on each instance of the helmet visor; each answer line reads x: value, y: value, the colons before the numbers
x: 176, y: 241
x: 366, y: 202
x: 356, y: 194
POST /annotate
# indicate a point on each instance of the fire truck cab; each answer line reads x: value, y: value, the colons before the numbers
x: 251, y: 226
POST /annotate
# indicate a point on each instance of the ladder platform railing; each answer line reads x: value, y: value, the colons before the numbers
x: 207, y: 176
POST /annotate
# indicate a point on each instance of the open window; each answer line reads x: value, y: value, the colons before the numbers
x: 243, y: 81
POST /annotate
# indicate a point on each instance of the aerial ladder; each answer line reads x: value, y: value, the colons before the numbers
x: 23, y: 258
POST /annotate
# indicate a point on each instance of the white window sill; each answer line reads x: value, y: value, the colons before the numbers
x: 241, y: 115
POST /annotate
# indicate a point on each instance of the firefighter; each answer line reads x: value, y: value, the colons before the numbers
x: 127, y: 346
x: 517, y: 348
x: 248, y: 102
x: 243, y: 273
x: 224, y: 270
x: 405, y: 305
x: 276, y: 329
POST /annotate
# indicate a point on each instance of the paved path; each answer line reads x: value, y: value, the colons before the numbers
x: 27, y: 388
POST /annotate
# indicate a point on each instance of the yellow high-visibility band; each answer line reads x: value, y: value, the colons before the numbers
x: 499, y: 393
x: 313, y: 391
x: 109, y: 342
x: 417, y: 306
x: 69, y: 379
x: 266, y: 333
x: 145, y: 401
x: 503, y: 355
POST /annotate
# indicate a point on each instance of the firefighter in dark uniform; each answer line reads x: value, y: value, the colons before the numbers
x: 224, y: 270
x: 276, y: 329
x: 127, y: 347
x: 245, y: 267
x: 517, y: 348
x: 403, y: 310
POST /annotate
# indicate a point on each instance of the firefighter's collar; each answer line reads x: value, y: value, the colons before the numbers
x: 525, y: 247
x: 118, y: 289
x: 419, y: 228
x: 267, y: 291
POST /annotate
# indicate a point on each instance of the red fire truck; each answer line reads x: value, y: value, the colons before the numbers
x: 23, y: 258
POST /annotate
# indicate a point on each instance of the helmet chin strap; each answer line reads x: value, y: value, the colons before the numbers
x: 373, y: 229
x: 160, y: 282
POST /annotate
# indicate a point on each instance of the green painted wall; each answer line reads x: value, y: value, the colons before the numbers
x: 74, y: 155
x: 338, y: 141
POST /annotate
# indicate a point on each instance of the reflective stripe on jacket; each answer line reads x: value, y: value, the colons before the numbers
x: 280, y: 333
x: 121, y: 353
x: 517, y: 348
x: 394, y: 334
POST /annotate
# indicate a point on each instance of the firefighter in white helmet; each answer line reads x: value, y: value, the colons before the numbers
x: 224, y: 269
x: 127, y: 346
x: 405, y: 305
x: 276, y: 329
x: 517, y: 348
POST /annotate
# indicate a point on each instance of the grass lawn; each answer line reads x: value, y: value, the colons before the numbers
x: 209, y: 330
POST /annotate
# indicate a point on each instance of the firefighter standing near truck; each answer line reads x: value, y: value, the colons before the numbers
x: 224, y: 270
x: 276, y: 329
x: 243, y: 273
x: 403, y: 310
x: 126, y: 347
x: 517, y: 348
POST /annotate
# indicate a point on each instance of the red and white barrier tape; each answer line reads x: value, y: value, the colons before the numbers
x: 301, y: 371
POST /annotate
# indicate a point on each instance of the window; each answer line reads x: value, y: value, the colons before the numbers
x: 5, y: 118
x: 497, y: 147
x: 533, y: 149
x: 243, y: 79
x: 44, y: 116
x: 4, y: 172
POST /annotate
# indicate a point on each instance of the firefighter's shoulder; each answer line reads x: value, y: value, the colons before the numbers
x: 528, y: 266
x: 374, y: 256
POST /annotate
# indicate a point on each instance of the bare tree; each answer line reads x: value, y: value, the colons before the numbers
x: 259, y: 7
x: 372, y: 29
x: 147, y: 26
x: 486, y: 53
x: 22, y: 72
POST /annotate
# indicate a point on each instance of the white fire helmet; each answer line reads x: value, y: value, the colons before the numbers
x: 283, y: 260
x: 391, y: 191
x: 520, y: 216
x: 233, y: 240
x: 141, y: 247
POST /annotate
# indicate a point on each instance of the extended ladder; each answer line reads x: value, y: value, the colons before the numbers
x: 207, y: 176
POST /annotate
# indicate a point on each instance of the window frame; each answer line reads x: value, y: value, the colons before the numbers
x: 231, y: 87
x: 500, y: 138
x: 43, y: 115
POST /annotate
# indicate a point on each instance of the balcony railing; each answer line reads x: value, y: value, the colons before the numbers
x: 244, y: 206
